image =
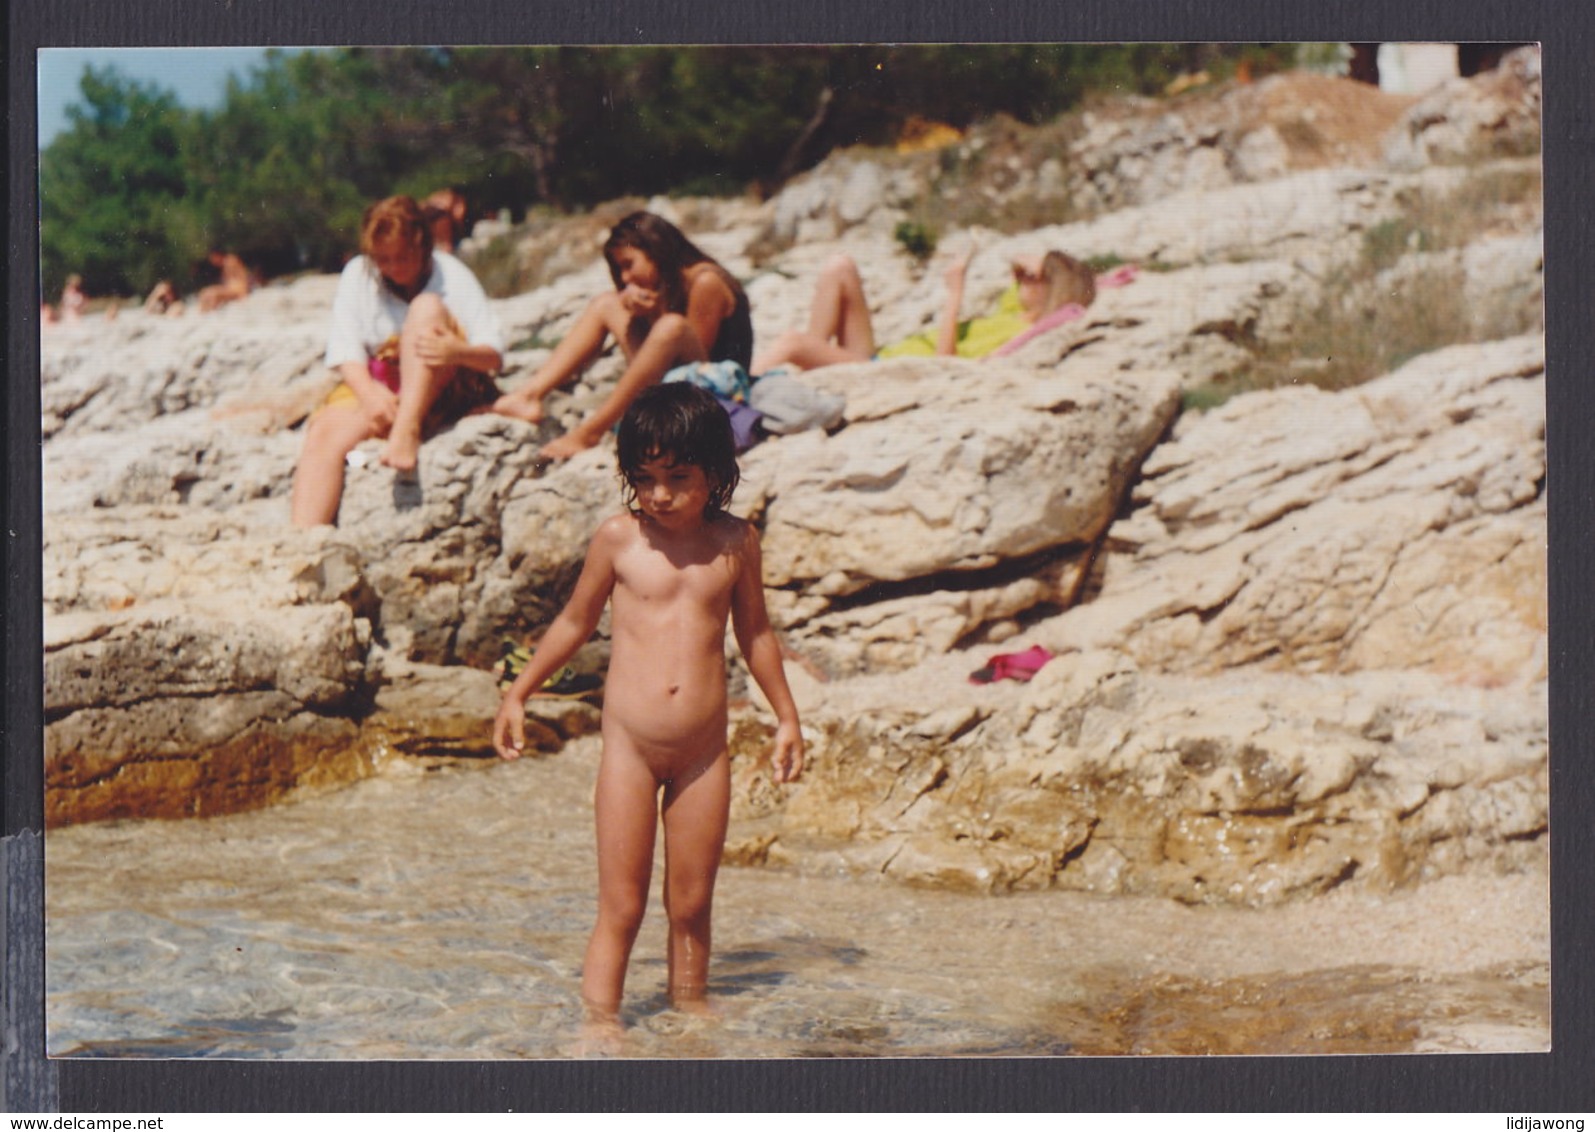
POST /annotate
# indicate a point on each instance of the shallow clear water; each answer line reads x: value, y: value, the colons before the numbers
x: 441, y: 912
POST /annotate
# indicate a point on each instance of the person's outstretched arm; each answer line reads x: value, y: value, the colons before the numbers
x: 451, y: 348
x: 750, y: 619
x: 947, y: 335
x: 568, y: 631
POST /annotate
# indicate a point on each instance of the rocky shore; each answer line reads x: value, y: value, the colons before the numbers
x: 1300, y: 636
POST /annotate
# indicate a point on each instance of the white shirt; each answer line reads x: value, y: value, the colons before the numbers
x: 366, y: 314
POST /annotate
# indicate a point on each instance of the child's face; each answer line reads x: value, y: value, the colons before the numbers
x: 1032, y: 282
x: 636, y: 269
x: 400, y: 261
x: 672, y: 493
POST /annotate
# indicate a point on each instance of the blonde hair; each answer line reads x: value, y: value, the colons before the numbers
x: 1067, y: 281
x: 395, y: 218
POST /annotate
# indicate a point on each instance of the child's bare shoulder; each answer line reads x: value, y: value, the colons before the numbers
x: 733, y: 529
x: 616, y: 532
x: 736, y: 536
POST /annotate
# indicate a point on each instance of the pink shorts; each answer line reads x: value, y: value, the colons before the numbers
x: 385, y: 372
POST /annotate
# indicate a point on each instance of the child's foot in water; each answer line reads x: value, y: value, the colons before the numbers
x: 695, y: 1003
x: 601, y: 1035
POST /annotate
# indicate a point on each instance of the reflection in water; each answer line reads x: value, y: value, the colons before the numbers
x: 444, y: 914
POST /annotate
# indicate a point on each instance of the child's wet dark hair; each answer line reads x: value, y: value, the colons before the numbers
x: 686, y: 425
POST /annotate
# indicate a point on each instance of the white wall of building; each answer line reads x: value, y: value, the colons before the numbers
x: 1414, y: 68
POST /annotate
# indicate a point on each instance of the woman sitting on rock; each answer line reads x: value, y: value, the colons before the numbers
x: 73, y: 299
x: 412, y: 336
x: 163, y: 300
x: 446, y: 212
x: 236, y: 280
x: 671, y: 305
x: 1048, y: 290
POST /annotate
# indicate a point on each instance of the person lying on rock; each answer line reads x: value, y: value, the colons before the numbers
x: 671, y: 305
x: 1048, y: 291
x: 414, y: 340
x: 672, y: 569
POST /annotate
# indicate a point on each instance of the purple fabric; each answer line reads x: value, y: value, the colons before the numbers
x: 744, y: 422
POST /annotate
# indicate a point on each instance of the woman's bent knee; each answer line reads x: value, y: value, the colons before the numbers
x: 334, y: 432
x: 841, y: 266
x: 426, y: 309
x: 671, y: 327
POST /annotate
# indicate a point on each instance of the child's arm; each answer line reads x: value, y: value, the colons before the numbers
x: 379, y: 402
x: 451, y: 348
x: 750, y: 619
x: 565, y: 635
x: 947, y: 336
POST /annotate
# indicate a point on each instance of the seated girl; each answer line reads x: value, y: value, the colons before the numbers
x: 1048, y: 290
x: 410, y: 327
x: 671, y: 305
x: 446, y: 214
x: 163, y: 300
x: 73, y: 299
x: 236, y: 280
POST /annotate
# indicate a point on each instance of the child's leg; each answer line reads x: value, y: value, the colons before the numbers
x: 840, y: 310
x: 839, y: 329
x: 598, y: 321
x: 318, y: 478
x: 626, y: 815
x: 419, y: 383
x: 696, y: 809
x: 669, y: 343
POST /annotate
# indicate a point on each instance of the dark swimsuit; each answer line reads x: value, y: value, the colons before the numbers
x: 734, y: 343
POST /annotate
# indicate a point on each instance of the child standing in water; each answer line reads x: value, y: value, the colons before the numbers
x: 675, y: 567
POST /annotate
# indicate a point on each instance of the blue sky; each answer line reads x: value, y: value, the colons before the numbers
x: 196, y: 75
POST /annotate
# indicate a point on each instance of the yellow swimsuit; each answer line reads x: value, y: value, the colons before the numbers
x: 977, y: 337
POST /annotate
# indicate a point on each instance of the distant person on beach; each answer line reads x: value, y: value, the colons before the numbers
x: 163, y: 300
x: 445, y: 213
x: 672, y: 569
x: 671, y: 305
x: 415, y: 341
x: 236, y: 281
x: 1047, y: 291
x: 73, y: 300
